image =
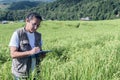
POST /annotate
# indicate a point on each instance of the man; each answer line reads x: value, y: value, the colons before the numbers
x: 24, y: 45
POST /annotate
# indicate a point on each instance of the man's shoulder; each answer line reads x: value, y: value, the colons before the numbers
x: 20, y: 31
x: 17, y: 30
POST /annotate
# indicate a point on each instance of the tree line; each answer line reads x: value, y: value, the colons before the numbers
x: 69, y: 10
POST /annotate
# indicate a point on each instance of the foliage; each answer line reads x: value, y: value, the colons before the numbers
x: 69, y: 10
x: 25, y: 5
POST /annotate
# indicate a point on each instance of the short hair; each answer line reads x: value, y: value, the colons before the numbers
x: 30, y: 16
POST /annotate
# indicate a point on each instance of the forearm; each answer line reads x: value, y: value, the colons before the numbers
x: 17, y: 54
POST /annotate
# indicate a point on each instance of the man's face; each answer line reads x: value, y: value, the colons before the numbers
x: 32, y: 25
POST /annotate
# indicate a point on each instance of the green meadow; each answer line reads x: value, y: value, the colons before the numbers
x: 81, y: 50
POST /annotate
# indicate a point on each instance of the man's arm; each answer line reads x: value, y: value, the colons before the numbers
x: 16, y: 54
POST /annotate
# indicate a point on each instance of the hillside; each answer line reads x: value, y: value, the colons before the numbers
x: 76, y: 9
x: 4, y: 6
x: 25, y: 5
x: 16, y: 4
x: 10, y: 1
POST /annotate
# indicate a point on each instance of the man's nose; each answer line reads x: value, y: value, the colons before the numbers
x: 35, y: 26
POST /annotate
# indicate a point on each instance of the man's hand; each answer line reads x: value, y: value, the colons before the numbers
x: 35, y: 50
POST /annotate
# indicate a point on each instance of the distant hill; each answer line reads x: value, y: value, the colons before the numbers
x: 70, y: 10
x: 77, y: 9
x: 16, y: 4
x: 47, y: 0
x: 10, y: 1
x: 4, y: 6
x: 25, y: 5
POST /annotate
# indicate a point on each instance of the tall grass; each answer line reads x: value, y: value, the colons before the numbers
x: 89, y: 51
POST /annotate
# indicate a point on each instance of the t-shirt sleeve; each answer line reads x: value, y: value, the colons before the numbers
x: 14, y: 41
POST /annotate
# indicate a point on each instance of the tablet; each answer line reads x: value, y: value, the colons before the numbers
x: 44, y: 52
x: 41, y: 52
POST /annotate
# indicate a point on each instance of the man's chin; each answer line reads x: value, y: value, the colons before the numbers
x: 32, y: 31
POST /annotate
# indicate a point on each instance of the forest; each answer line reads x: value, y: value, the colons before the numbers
x: 67, y: 10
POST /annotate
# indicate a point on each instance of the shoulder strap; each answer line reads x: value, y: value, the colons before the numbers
x: 23, y: 39
x: 37, y: 39
x: 22, y: 34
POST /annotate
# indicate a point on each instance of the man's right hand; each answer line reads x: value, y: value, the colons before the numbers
x: 35, y: 50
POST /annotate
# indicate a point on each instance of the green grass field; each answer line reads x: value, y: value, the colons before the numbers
x: 81, y: 50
